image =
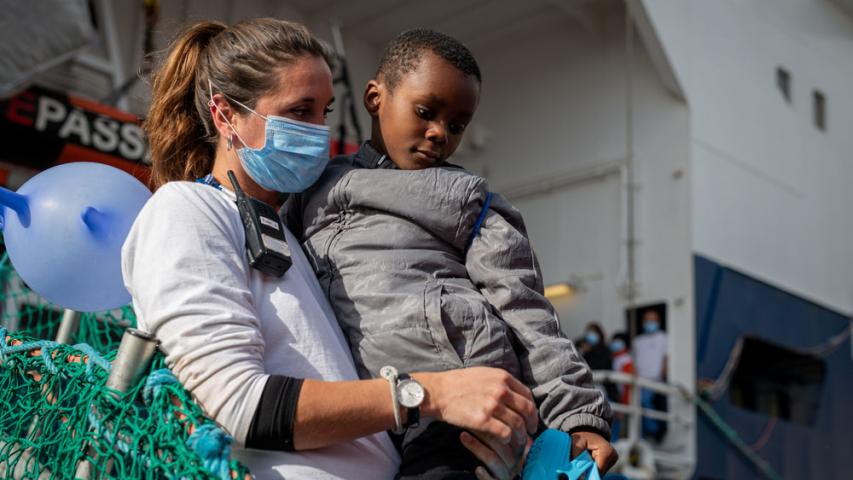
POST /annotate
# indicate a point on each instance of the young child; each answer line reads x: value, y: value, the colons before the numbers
x: 425, y: 268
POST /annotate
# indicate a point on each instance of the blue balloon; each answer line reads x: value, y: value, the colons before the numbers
x: 64, y: 230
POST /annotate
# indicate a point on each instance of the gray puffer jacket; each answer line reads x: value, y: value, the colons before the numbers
x: 391, y: 250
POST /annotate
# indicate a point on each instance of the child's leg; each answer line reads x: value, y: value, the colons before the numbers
x: 434, y: 452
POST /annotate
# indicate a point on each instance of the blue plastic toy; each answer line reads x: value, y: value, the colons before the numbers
x: 64, y: 229
x: 548, y: 459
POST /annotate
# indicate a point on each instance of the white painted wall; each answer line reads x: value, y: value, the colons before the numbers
x: 771, y: 193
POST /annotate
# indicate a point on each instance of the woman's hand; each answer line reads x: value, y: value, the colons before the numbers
x: 489, y: 402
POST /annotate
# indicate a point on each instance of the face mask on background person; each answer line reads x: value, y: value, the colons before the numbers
x: 651, y: 327
x: 617, y: 346
x: 293, y: 156
x: 592, y: 338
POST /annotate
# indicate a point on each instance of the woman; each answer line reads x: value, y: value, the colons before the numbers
x: 262, y: 354
x: 594, y: 349
x: 597, y: 354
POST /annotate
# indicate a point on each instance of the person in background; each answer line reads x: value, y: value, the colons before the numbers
x: 596, y: 354
x: 650, y: 355
x: 593, y: 349
x: 622, y: 362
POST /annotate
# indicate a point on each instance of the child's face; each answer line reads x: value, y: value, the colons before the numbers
x: 421, y: 122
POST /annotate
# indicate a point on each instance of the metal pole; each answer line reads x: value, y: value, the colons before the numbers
x: 67, y: 330
x: 134, y: 355
x: 68, y: 326
x: 636, y: 420
x: 349, y: 97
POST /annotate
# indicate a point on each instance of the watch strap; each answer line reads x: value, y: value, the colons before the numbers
x: 390, y: 373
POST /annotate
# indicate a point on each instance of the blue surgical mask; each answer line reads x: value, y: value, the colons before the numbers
x: 592, y: 338
x: 617, y: 346
x: 293, y: 156
x: 651, y: 327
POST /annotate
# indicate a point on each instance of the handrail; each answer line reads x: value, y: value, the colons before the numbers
x: 634, y: 408
x: 629, y: 379
x: 634, y: 412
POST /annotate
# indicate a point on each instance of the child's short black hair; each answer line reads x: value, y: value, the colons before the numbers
x: 404, y: 52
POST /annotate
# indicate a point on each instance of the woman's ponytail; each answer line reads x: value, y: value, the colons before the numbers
x: 181, y: 148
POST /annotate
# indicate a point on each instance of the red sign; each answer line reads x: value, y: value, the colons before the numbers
x: 41, y: 128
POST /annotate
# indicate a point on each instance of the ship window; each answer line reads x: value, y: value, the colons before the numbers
x: 819, y: 107
x: 783, y: 82
x: 778, y: 381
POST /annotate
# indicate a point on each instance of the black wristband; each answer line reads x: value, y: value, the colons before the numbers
x: 272, y: 424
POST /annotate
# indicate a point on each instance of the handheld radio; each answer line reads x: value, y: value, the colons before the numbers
x: 266, y: 245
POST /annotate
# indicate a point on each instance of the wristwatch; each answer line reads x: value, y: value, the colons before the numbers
x: 411, y: 394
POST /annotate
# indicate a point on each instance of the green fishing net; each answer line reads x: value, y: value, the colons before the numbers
x: 58, y: 418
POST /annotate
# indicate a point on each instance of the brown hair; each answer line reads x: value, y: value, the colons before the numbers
x: 240, y: 61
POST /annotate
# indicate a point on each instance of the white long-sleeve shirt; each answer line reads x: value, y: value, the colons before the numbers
x: 225, y: 327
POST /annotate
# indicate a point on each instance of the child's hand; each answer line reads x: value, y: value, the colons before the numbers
x: 600, y: 449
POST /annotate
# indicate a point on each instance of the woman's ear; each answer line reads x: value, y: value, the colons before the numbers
x: 222, y: 114
x: 373, y: 97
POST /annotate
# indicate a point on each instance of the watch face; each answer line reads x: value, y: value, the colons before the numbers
x: 410, y: 393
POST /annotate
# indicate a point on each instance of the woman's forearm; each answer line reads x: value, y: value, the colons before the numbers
x: 333, y: 412
x: 480, y: 399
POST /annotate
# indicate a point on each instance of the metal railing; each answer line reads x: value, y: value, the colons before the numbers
x: 641, y: 459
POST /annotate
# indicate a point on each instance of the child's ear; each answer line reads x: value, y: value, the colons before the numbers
x: 373, y: 97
